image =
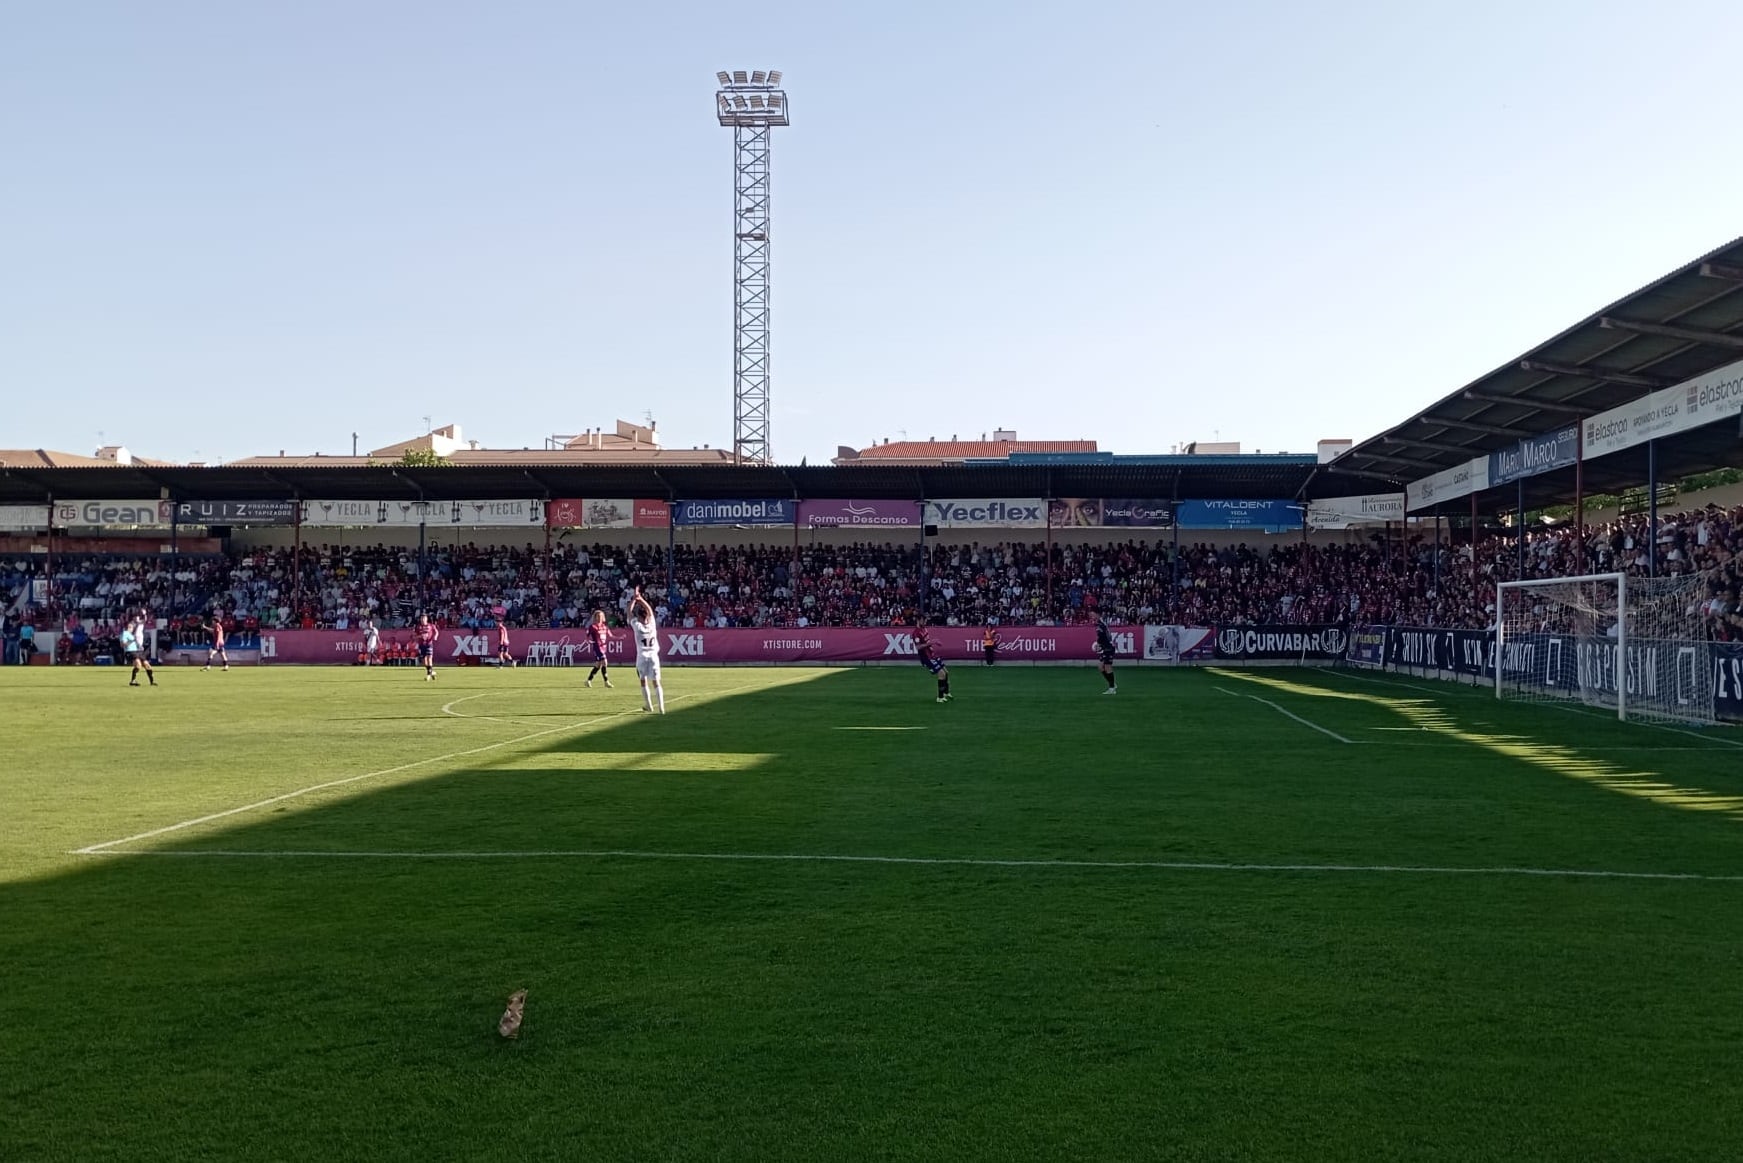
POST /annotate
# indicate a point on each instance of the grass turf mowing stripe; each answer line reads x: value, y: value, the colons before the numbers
x: 948, y: 861
x: 95, y: 849
x: 1290, y: 714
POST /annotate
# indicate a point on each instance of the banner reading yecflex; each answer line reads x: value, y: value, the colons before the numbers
x: 988, y: 513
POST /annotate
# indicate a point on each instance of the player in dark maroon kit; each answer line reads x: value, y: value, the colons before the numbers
x: 598, y: 634
x: 425, y: 635
x: 930, y: 660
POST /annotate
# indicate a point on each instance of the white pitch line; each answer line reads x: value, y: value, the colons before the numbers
x: 1285, y: 711
x: 98, y: 849
x: 880, y: 728
x: 940, y: 861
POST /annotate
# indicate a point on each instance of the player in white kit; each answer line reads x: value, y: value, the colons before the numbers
x: 647, y: 651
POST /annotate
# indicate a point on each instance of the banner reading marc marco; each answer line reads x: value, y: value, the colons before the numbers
x: 1281, y: 643
x: 762, y: 511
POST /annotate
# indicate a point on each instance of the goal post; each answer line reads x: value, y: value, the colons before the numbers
x: 1637, y: 646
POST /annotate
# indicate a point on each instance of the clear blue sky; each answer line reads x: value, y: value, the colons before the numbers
x: 230, y: 228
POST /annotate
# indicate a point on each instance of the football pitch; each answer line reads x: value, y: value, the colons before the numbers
x: 812, y: 914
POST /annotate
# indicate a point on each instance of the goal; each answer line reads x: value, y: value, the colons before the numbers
x: 1637, y: 646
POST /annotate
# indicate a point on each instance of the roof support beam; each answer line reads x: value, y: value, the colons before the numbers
x: 1531, y: 402
x: 1361, y: 472
x: 1669, y: 331
x: 1456, y: 449
x: 1472, y: 426
x: 1722, y: 270
x: 1422, y: 464
x: 1596, y: 373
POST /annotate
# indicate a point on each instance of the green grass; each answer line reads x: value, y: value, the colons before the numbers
x: 336, y: 1006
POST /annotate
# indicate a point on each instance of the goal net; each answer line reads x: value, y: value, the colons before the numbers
x: 1636, y: 646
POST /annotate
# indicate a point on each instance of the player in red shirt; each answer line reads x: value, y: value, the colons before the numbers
x: 216, y: 630
x: 930, y: 660
x: 504, y: 659
x: 598, y: 634
x: 425, y: 635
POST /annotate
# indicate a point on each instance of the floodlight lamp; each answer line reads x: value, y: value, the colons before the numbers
x: 738, y: 77
x: 756, y: 100
x: 758, y: 77
x: 725, y: 78
x: 741, y: 103
x: 774, y: 100
x: 774, y: 76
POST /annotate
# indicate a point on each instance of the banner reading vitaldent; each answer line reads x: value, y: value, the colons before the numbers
x: 1270, y: 516
x: 988, y: 513
x: 825, y: 514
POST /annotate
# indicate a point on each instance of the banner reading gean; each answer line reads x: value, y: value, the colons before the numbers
x: 988, y: 513
x: 761, y: 511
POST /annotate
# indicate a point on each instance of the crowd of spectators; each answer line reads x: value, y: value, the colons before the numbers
x: 1416, y: 581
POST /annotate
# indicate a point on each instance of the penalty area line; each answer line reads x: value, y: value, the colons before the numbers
x: 925, y: 861
x: 100, y: 849
x: 1285, y: 711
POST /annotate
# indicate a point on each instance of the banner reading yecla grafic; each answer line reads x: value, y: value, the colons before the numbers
x: 1101, y: 512
x: 414, y: 513
x: 610, y: 513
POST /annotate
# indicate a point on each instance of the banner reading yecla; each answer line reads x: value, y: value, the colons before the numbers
x: 497, y: 513
x: 988, y: 513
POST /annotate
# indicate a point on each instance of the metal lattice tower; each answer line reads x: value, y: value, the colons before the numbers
x: 753, y: 104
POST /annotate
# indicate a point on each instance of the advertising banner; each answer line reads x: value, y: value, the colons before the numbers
x: 763, y: 511
x: 652, y: 515
x: 1690, y: 404
x: 560, y: 647
x: 24, y: 517
x: 1344, y: 512
x: 1074, y: 512
x: 328, y: 514
x: 1138, y: 512
x: 236, y: 512
x: 1448, y: 484
x: 859, y: 514
x: 566, y: 513
x: 112, y: 514
x: 1535, y: 454
x: 1728, y: 681
x: 1281, y: 643
x: 1269, y: 516
x: 1179, y: 644
x: 988, y: 513
x: 1367, y: 645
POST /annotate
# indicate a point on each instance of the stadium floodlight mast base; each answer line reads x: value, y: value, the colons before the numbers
x: 753, y: 104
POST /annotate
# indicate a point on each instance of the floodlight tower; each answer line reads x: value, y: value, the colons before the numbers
x: 753, y: 104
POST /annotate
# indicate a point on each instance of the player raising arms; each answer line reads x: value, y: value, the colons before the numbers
x: 1104, y: 650
x: 598, y: 634
x: 930, y: 660
x: 504, y: 659
x: 216, y: 630
x: 133, y: 645
x: 647, y: 650
x: 425, y: 635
